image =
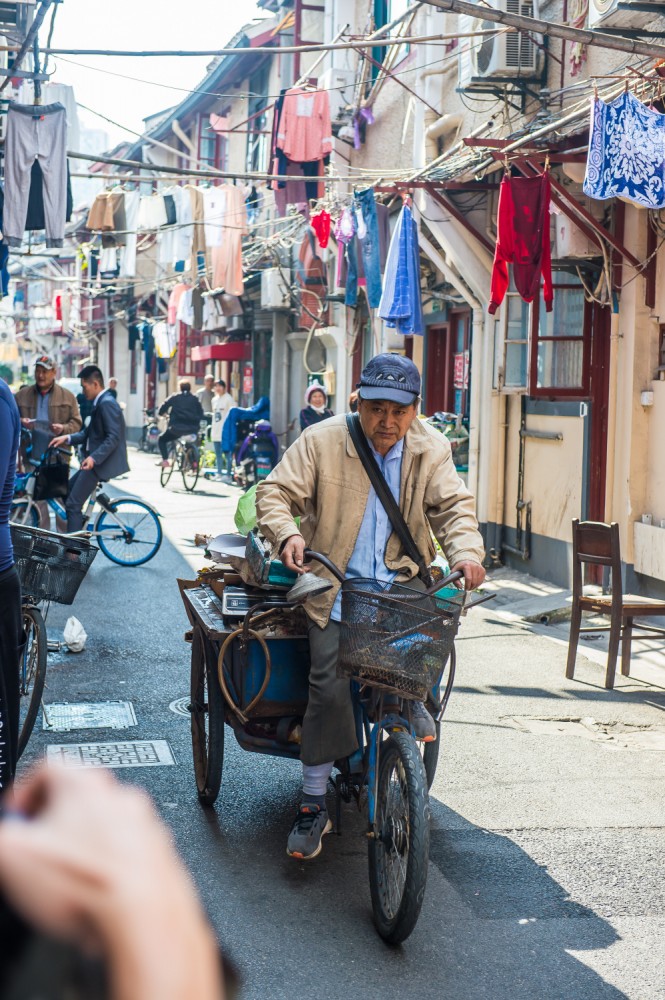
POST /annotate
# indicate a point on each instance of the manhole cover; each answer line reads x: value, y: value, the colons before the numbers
x: 132, y: 753
x: 622, y: 734
x: 181, y: 706
x: 89, y: 715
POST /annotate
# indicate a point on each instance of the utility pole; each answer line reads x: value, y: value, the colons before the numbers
x: 552, y: 28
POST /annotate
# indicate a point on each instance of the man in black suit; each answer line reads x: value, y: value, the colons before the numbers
x: 104, y: 445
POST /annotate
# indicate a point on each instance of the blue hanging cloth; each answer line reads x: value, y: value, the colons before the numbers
x: 260, y: 411
x: 626, y: 156
x: 401, y: 304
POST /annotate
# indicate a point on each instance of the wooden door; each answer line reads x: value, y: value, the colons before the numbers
x: 438, y: 369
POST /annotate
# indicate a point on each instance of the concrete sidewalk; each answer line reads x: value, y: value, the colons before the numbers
x: 545, y: 609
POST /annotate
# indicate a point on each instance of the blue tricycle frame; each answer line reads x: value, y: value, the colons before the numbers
x: 259, y: 686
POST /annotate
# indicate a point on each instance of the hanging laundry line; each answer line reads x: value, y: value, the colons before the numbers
x: 262, y: 50
x: 209, y: 174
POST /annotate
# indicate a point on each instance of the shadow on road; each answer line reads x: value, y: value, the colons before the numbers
x: 519, y: 925
x: 494, y: 923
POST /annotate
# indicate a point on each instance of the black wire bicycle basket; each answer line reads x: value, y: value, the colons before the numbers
x: 395, y: 638
x: 51, y: 567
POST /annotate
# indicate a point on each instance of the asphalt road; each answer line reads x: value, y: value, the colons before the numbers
x: 547, y: 852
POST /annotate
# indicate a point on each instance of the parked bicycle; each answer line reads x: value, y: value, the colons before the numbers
x: 184, y: 455
x: 128, y: 531
x: 51, y: 567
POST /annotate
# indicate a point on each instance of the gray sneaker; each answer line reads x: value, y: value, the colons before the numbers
x: 423, y: 724
x: 311, y: 824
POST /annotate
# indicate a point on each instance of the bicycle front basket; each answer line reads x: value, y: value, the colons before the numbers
x: 395, y: 638
x: 51, y: 567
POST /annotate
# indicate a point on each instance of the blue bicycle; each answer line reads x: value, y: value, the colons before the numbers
x: 128, y: 531
x: 249, y: 670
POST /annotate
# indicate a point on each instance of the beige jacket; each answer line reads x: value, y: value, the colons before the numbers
x: 321, y: 479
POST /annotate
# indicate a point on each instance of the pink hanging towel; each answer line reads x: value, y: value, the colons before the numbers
x: 523, y: 240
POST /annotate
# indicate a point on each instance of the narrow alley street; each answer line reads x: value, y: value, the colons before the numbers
x: 546, y: 854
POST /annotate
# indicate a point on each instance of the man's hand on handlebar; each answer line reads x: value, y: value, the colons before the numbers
x: 293, y: 553
x: 474, y: 573
x: 57, y: 442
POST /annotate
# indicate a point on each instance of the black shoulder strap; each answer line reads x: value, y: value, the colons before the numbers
x: 385, y: 496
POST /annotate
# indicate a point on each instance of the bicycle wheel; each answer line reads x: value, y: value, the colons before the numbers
x: 166, y: 472
x: 399, y: 851
x: 133, y: 536
x: 24, y: 512
x: 190, y: 466
x: 32, y: 674
x: 207, y: 711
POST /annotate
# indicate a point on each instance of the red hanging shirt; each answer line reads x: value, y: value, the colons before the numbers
x: 523, y: 240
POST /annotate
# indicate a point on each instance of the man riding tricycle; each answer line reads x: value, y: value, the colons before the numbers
x: 355, y: 683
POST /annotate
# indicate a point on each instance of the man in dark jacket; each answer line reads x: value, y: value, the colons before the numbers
x: 185, y: 415
x: 104, y: 445
x: 11, y: 624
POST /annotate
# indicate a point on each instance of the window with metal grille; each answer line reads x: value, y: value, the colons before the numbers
x: 258, y: 136
x: 188, y: 338
x: 561, y: 342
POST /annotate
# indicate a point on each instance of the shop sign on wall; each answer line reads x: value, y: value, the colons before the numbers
x: 461, y: 370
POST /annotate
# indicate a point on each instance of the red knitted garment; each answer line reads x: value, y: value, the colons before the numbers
x: 523, y: 240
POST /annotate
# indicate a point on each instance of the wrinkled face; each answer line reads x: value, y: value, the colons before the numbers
x: 44, y: 378
x: 384, y: 422
x: 208, y: 382
x: 317, y: 398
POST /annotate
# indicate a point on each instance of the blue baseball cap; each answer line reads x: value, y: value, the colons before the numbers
x: 392, y: 377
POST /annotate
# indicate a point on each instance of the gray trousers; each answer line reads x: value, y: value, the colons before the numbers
x: 328, y: 730
x: 31, y: 137
x: 81, y: 486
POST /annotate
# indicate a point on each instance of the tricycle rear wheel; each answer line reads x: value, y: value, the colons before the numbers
x: 399, y: 849
x: 207, y: 711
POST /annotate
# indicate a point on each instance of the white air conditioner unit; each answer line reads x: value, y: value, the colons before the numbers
x: 501, y: 57
x: 274, y: 290
x: 621, y: 14
x: 339, y: 83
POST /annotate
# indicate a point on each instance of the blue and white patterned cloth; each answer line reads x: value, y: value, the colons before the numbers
x: 626, y: 156
x: 401, y: 304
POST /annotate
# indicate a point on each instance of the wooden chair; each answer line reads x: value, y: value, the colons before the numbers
x: 598, y: 544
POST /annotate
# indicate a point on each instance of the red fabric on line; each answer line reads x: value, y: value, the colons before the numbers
x: 321, y: 226
x: 523, y: 240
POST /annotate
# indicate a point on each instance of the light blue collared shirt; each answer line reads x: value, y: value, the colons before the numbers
x: 368, y: 557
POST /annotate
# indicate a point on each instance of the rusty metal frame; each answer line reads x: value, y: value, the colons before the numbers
x: 446, y: 204
x: 589, y: 219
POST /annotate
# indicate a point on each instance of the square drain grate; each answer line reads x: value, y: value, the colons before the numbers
x: 131, y: 753
x: 64, y: 717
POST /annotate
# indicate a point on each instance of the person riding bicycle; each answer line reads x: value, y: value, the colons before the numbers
x: 104, y: 445
x: 185, y: 416
x: 321, y: 479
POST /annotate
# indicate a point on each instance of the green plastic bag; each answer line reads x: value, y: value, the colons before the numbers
x: 245, y: 515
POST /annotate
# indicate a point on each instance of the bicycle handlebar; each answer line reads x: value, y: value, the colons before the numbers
x: 330, y: 565
x: 325, y: 561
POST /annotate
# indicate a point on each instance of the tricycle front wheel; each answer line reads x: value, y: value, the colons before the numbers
x: 207, y: 711
x: 399, y: 849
